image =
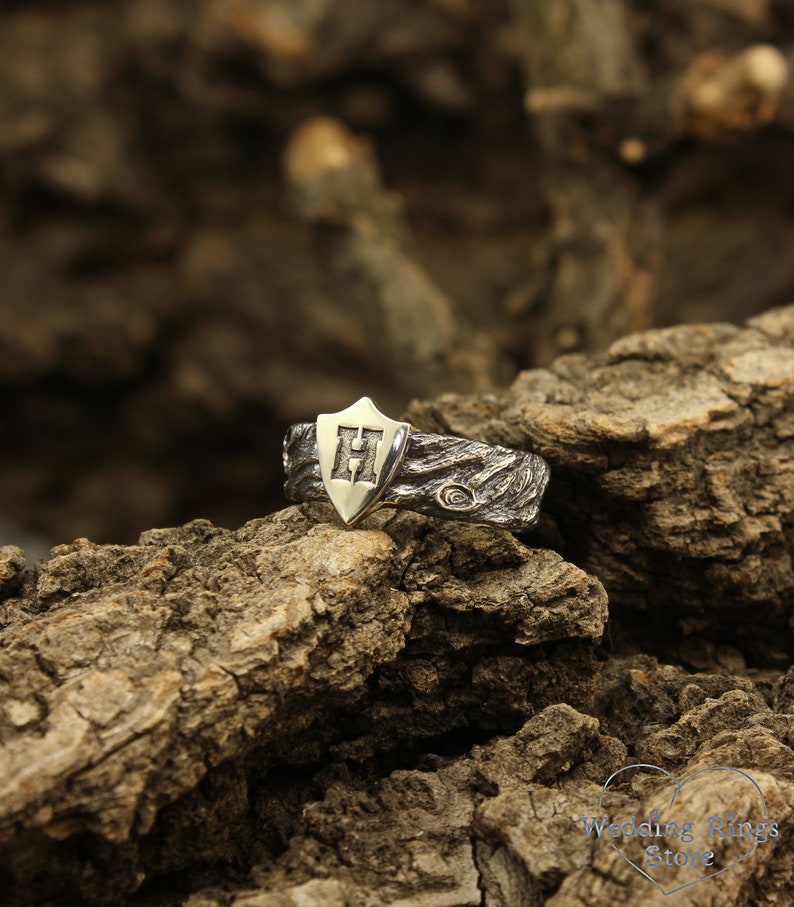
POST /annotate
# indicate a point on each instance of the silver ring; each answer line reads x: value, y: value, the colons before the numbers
x: 360, y: 460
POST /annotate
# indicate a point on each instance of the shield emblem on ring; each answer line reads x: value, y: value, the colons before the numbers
x: 359, y: 450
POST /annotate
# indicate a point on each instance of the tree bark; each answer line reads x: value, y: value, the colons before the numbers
x: 142, y: 676
x: 671, y: 474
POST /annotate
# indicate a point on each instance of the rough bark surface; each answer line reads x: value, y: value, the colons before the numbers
x: 671, y: 460
x: 136, y: 677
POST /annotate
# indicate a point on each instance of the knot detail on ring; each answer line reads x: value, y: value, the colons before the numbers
x: 457, y: 497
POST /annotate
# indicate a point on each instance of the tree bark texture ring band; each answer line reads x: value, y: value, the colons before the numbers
x: 360, y: 460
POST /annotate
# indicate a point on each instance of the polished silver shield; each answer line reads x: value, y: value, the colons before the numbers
x: 359, y: 450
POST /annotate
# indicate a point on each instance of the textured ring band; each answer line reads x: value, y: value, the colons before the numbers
x: 361, y: 460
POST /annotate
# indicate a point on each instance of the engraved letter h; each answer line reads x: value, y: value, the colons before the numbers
x: 355, y: 454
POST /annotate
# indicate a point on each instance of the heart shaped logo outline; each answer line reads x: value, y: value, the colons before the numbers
x: 678, y: 787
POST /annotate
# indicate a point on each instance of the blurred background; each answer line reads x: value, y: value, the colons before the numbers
x: 220, y: 217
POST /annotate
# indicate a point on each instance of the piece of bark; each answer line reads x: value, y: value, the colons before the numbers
x: 722, y: 98
x: 592, y: 99
x: 501, y: 825
x: 603, y: 876
x: 134, y: 676
x: 716, y: 99
x: 411, y: 838
x: 579, y: 61
x: 12, y: 565
x: 529, y: 840
x: 671, y: 473
x: 410, y: 322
